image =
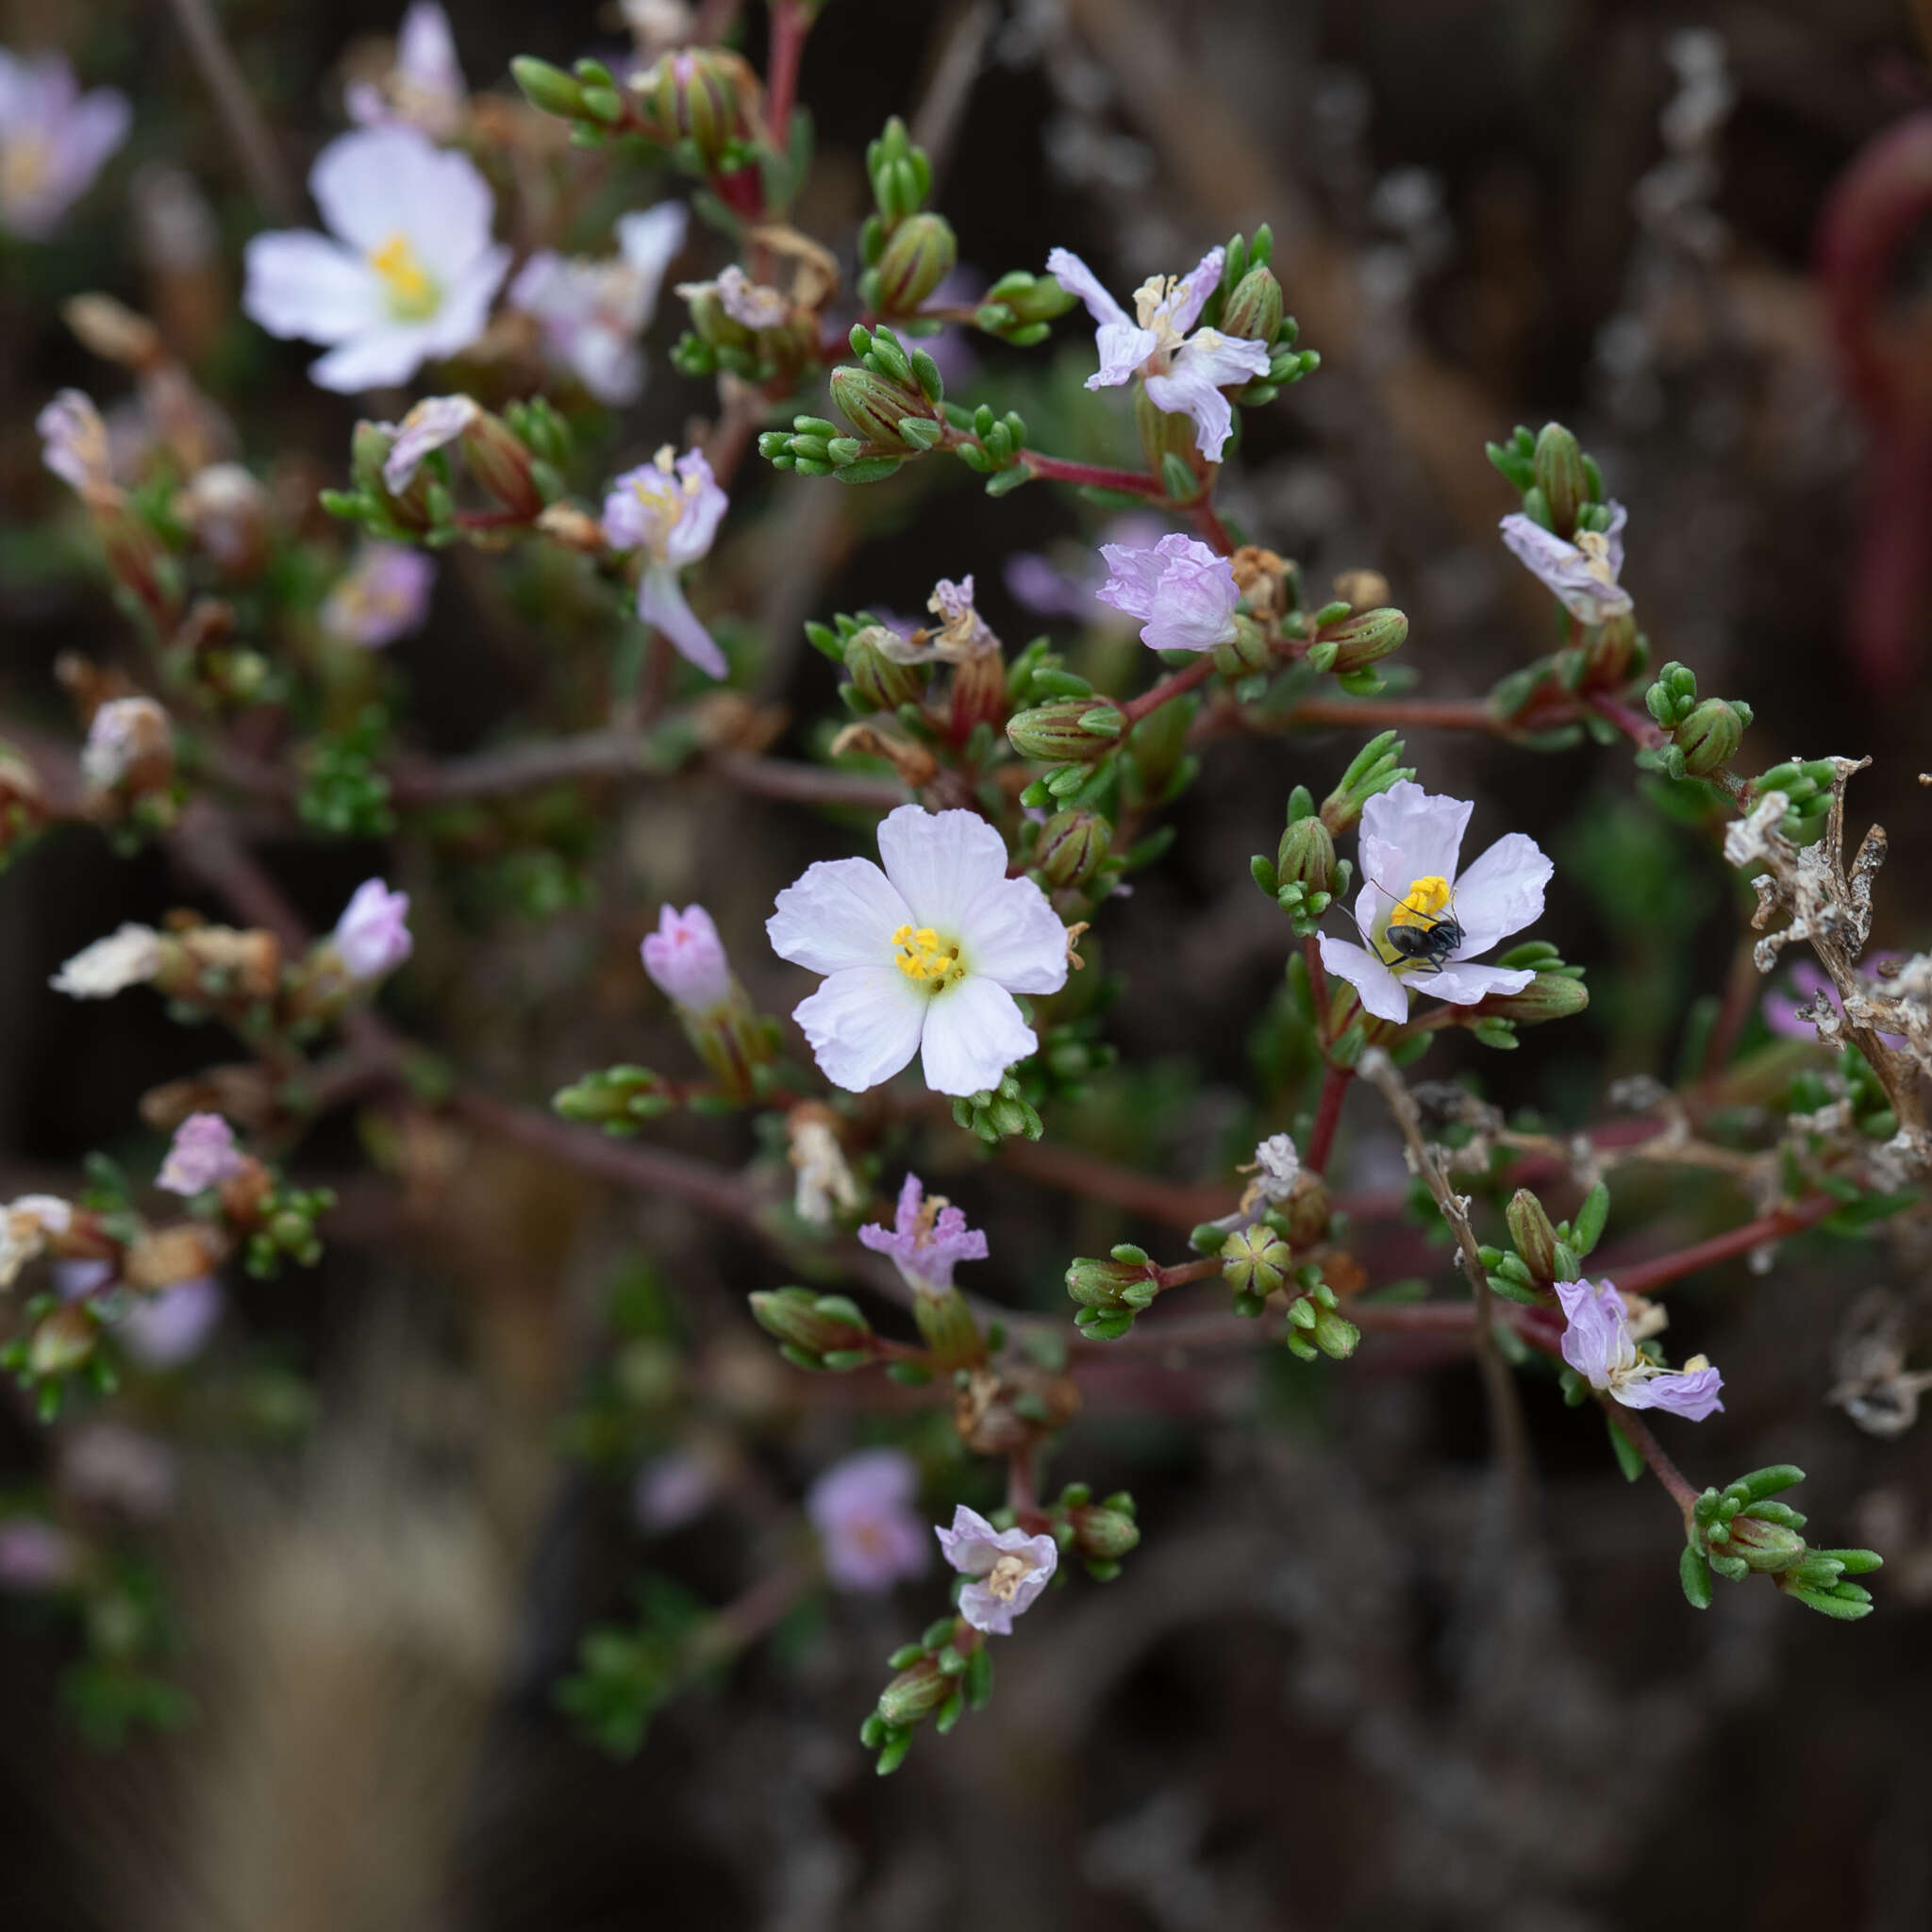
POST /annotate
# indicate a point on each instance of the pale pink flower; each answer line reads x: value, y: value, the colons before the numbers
x: 671, y: 512
x: 52, y: 140
x: 922, y: 956
x: 870, y: 1535
x: 406, y: 273
x: 1010, y: 1569
x: 173, y: 1325
x: 1184, y: 591
x: 673, y: 1490
x: 75, y: 445
x: 1184, y: 374
x: 203, y: 1155
x: 36, y: 1555
x: 1411, y: 841
x: 372, y: 937
x: 686, y: 960
x: 1598, y: 1346
x: 430, y: 426
x: 383, y: 596
x: 926, y: 1240
x: 1583, y: 575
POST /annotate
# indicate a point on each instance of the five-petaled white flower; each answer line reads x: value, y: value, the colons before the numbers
x: 405, y: 276
x: 670, y: 510
x: 1583, y: 574
x: 592, y: 313
x: 1008, y: 1569
x: 1411, y: 843
x: 52, y: 140
x: 1185, y: 374
x: 1598, y: 1344
x: 924, y: 956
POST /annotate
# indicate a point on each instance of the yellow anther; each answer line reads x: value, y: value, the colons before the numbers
x: 1419, y: 904
x: 412, y: 293
x: 1595, y: 548
x: 922, y: 956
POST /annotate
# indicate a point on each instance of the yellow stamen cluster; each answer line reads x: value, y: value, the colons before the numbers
x: 1424, y: 900
x: 1003, y: 1579
x: 1595, y: 548
x: 412, y: 292
x: 925, y: 956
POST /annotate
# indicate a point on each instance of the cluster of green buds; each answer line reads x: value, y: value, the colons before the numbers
x: 344, y: 791
x: 1351, y: 643
x: 1019, y: 307
x: 1543, y: 1251
x: 701, y: 104
x: 874, y: 681
x: 55, y: 1348
x: 815, y: 1331
x: 944, y: 1676
x: 1807, y: 786
x: 1704, y: 735
x: 517, y: 458
x: 997, y: 1113
x: 1562, y: 486
x: 906, y: 250
x: 990, y: 445
x: 618, y: 1099
x: 891, y: 399
x: 1100, y: 1534
x: 1304, y: 877
x: 1109, y: 1293
x: 1315, y: 1322
x: 1248, y: 305
x: 1741, y: 1530
x: 284, y: 1229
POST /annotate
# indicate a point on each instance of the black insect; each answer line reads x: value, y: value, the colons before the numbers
x: 1433, y: 944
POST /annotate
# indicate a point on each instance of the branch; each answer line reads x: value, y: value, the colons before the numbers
x: 249, y: 132
x: 1647, y: 1276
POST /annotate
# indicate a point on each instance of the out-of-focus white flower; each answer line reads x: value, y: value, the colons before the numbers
x: 870, y: 1535
x: 76, y: 447
x: 120, y: 732
x: 202, y: 1155
x: 922, y: 956
x: 670, y: 510
x: 406, y: 273
x: 52, y: 140
x: 824, y: 1186
x: 131, y: 955
x: 372, y: 937
x: 383, y: 596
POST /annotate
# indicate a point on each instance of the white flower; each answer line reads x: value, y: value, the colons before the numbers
x: 592, y: 313
x: 405, y: 276
x: 1584, y: 573
x: 52, y: 140
x: 130, y: 956
x: 1010, y: 1569
x: 924, y: 956
x: 1411, y: 843
x: 1184, y: 374
x: 121, y: 732
x: 1277, y: 1165
x: 670, y: 510
x: 424, y: 88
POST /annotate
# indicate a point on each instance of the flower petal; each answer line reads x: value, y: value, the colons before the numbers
x: 1563, y: 569
x: 1192, y: 296
x: 1596, y: 1337
x: 1407, y: 834
x: 1077, y: 279
x: 1382, y: 993
x: 1689, y: 1392
x: 1187, y: 392
x: 972, y: 1544
x: 389, y: 353
x: 380, y: 182
x: 650, y: 240
x: 974, y: 1033
x: 862, y: 1024
x: 301, y: 284
x: 1462, y: 983
x: 842, y: 913
x: 1122, y: 349
x: 464, y: 312
x: 1501, y: 892
x: 941, y: 862
x: 660, y: 603
x: 1011, y: 934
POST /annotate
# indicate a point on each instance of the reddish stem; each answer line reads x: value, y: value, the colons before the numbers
x: 1213, y: 527
x: 1634, y: 725
x: 791, y: 22
x: 1647, y: 1275
x: 1327, y: 1117
x: 1169, y: 689
x: 1098, y: 475
x: 1636, y: 1433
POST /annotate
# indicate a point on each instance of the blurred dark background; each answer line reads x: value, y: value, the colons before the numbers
x: 1321, y: 1693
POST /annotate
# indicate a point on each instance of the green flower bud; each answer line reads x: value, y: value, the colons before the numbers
x: 1102, y: 1535
x: 1335, y: 1335
x: 1548, y: 996
x: 1364, y: 639
x: 1255, y: 1260
x: 1056, y: 733
x: 881, y: 681
x: 1307, y: 856
x: 914, y: 1694
x: 701, y: 94
x: 501, y: 463
x: 1709, y: 737
x: 946, y: 1325
x: 1766, y: 1547
x: 63, y: 1341
x: 1374, y: 768
x: 1533, y: 1236
x: 1559, y: 475
x: 916, y: 260
x: 875, y: 405
x: 1096, y: 1284
x: 1248, y: 651
x: 1254, y: 310
x: 1071, y: 846
x: 548, y: 89
x: 814, y: 1324
x: 1613, y: 649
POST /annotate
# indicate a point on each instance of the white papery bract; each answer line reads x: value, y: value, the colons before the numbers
x: 406, y: 273
x: 922, y: 956
x: 1411, y: 842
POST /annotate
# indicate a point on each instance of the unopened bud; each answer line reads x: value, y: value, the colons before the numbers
x: 1612, y: 649
x: 815, y: 1326
x: 1254, y: 310
x: 1362, y: 641
x: 1104, y: 1535
x: 1335, y: 1335
x: 1058, y: 733
x: 875, y: 405
x: 547, y: 88
x: 1308, y: 1210
x: 1097, y: 1284
x: 1560, y: 476
x: 1531, y: 1232
x: 879, y: 679
x: 1071, y: 846
x: 915, y: 1693
x: 916, y: 259
x: 1709, y: 737
x: 1766, y: 1547
x: 1307, y: 856
x: 63, y: 1341
x: 947, y: 1326
x: 1548, y: 996
x: 501, y: 463
x: 705, y: 96
x: 1246, y: 652
x: 1255, y: 1260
